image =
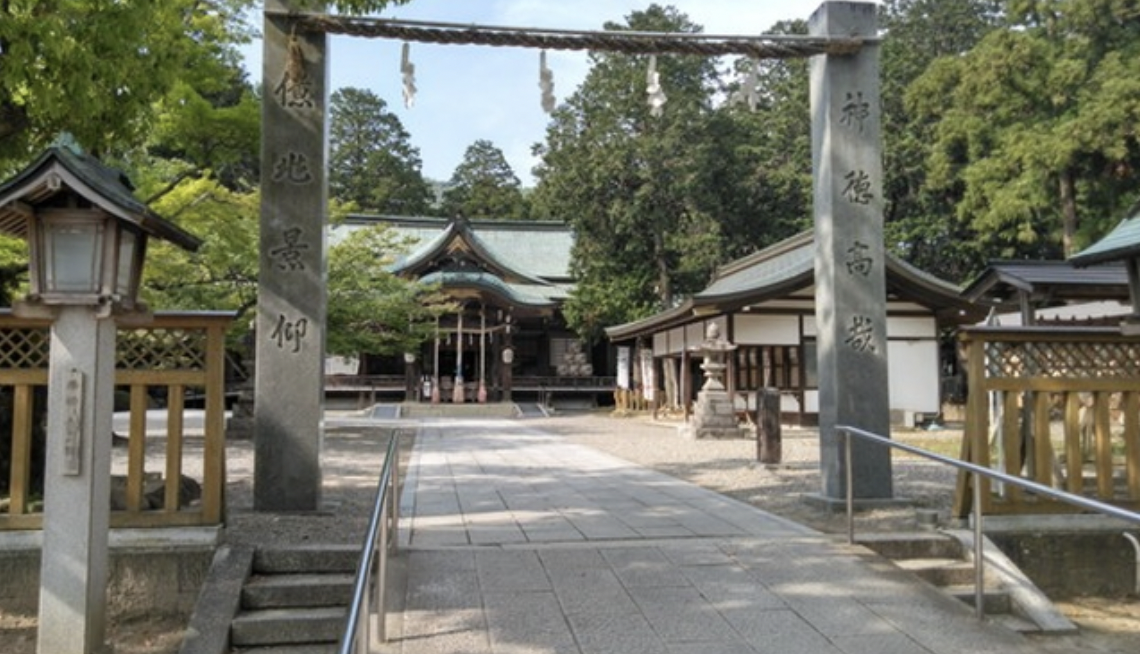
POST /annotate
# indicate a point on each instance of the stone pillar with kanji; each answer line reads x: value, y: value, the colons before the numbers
x: 850, y: 272
x: 289, y: 383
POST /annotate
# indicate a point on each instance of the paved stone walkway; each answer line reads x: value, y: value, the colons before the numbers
x: 518, y: 542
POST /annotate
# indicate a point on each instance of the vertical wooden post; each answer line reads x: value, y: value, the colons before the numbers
x: 769, y: 448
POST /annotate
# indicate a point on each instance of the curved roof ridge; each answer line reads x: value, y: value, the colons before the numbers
x: 491, y: 283
x: 903, y: 266
x: 792, y: 242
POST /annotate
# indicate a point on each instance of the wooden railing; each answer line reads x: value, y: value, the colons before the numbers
x: 1058, y: 406
x: 175, y: 354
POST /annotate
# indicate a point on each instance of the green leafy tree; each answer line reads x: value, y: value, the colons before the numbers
x: 1035, y: 137
x: 372, y: 162
x: 98, y: 69
x: 372, y: 310
x: 634, y: 186
x: 767, y: 182
x: 222, y: 275
x: 13, y: 268
x: 920, y: 221
x: 484, y: 186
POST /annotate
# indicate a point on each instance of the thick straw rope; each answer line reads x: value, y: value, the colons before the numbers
x: 758, y: 47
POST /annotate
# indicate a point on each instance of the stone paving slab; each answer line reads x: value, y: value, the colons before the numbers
x: 518, y: 542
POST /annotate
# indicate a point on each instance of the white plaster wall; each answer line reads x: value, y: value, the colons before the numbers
x: 767, y: 330
x: 913, y: 369
x: 811, y: 401
x: 911, y: 327
x: 660, y: 341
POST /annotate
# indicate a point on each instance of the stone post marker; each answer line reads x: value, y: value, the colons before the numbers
x: 289, y: 386
x: 77, y: 509
x: 850, y: 273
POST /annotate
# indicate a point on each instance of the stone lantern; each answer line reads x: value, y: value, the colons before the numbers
x: 714, y: 415
x: 87, y: 237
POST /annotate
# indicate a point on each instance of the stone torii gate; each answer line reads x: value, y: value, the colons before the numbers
x: 848, y: 210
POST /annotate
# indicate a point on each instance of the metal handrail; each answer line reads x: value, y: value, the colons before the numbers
x: 359, y: 628
x: 979, y: 564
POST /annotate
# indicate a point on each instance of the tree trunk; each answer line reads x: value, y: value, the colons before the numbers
x: 664, y: 284
x: 1068, y: 211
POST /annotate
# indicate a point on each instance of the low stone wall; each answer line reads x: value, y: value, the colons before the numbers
x: 1072, y: 563
x: 162, y: 577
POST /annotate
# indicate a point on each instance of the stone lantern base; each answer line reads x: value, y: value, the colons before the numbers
x: 714, y: 417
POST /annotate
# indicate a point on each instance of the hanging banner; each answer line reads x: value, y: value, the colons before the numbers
x: 623, y: 368
x: 649, y: 380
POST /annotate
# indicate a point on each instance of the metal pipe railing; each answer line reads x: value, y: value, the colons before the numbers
x: 379, y: 541
x: 847, y: 432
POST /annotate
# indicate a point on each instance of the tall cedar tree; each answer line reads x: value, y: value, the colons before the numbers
x: 372, y: 163
x: 484, y: 186
x: 919, y: 220
x: 637, y: 188
x: 1035, y: 128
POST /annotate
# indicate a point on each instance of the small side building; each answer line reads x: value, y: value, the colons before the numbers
x: 765, y: 304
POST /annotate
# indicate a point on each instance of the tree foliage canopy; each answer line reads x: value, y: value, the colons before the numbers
x: 96, y: 69
x: 657, y: 202
x: 372, y: 310
x: 372, y: 162
x: 484, y: 186
x: 1034, y: 129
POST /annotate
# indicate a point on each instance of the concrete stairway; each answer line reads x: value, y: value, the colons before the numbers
x: 945, y: 560
x: 295, y: 600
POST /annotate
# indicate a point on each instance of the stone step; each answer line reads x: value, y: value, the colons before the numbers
x: 277, y: 627
x: 916, y: 545
x: 323, y: 648
x: 306, y: 559
x: 449, y: 410
x: 994, y: 602
x: 940, y: 572
x: 1020, y: 625
x: 297, y: 590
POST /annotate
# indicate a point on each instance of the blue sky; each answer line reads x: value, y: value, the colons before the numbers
x: 467, y: 93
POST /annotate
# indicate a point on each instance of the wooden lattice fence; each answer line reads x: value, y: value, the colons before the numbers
x: 159, y: 362
x: 1060, y: 406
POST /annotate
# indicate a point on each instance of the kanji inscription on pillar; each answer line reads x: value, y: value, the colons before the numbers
x: 858, y: 187
x: 288, y: 334
x: 855, y: 111
x: 289, y: 255
x: 859, y: 262
x: 292, y: 168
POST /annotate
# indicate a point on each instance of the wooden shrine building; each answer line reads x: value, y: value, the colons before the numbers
x: 508, y: 339
x: 765, y: 304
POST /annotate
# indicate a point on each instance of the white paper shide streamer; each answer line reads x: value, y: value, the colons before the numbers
x: 546, y: 83
x: 408, y: 75
x: 653, y: 88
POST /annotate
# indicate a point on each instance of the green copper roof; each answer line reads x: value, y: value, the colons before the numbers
x: 532, y: 295
x: 783, y: 268
x: 1123, y: 242
x: 536, y: 250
